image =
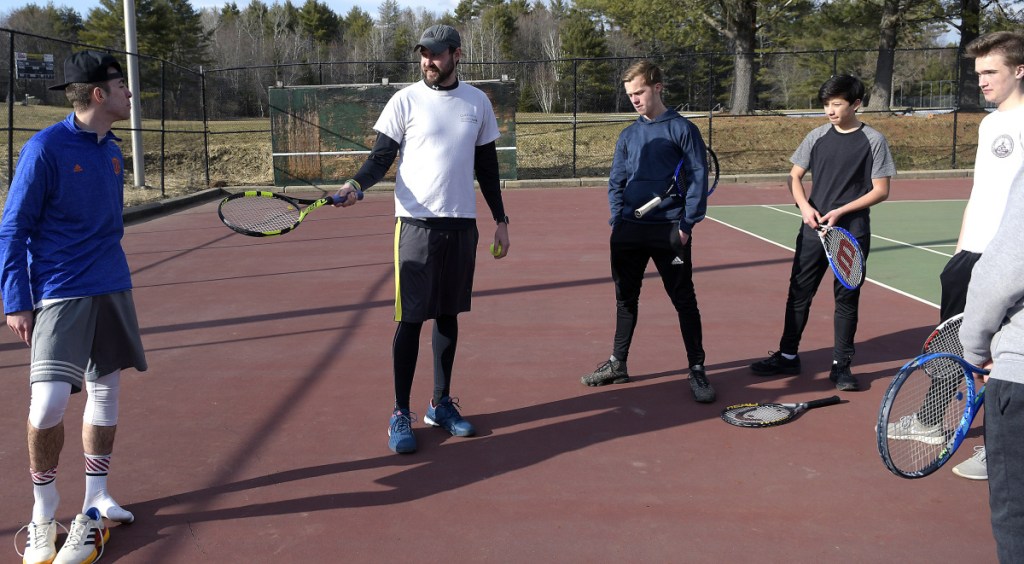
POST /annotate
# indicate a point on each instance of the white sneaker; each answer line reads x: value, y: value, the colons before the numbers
x: 975, y: 467
x: 910, y: 428
x: 41, y: 547
x: 85, y: 541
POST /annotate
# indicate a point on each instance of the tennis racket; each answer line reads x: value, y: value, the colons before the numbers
x: 945, y: 338
x: 844, y: 255
x: 675, y: 188
x: 926, y: 413
x: 257, y: 213
x: 770, y: 414
x: 713, y: 172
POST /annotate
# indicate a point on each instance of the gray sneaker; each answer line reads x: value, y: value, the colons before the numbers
x: 975, y: 467
x: 608, y: 372
x: 911, y: 428
x: 699, y: 385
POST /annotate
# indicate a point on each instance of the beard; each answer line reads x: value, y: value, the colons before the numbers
x: 443, y: 74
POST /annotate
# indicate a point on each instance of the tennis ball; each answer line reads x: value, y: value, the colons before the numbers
x: 495, y: 250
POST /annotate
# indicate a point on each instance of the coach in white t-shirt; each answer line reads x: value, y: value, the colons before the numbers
x: 442, y: 131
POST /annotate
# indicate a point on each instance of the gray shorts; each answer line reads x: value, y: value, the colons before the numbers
x: 433, y: 271
x: 85, y: 338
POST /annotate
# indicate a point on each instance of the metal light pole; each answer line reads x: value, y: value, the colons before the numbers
x: 132, y: 46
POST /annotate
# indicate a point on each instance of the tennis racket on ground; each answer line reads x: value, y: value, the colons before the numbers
x: 844, y: 255
x: 713, y: 172
x: 770, y: 414
x: 926, y: 413
x: 257, y: 213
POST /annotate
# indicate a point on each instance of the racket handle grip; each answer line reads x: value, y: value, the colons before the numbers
x: 823, y: 402
x: 335, y: 200
x: 647, y: 207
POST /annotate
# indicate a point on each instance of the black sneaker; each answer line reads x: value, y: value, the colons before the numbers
x: 842, y: 377
x: 608, y: 372
x: 699, y: 385
x: 776, y: 364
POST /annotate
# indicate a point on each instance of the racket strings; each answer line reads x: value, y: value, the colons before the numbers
x: 838, y: 246
x: 946, y: 338
x: 260, y: 214
x: 925, y: 415
x: 759, y: 414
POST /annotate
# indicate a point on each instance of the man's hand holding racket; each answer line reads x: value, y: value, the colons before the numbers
x: 348, y: 194
x: 831, y: 218
x: 841, y: 248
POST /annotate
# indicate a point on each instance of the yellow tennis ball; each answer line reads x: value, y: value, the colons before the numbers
x: 495, y: 250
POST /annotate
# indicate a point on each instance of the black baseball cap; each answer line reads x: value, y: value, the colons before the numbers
x: 439, y: 38
x: 89, y: 66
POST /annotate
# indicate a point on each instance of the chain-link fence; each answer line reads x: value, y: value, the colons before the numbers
x: 211, y: 126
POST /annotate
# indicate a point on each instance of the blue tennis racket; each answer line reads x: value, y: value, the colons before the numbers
x: 675, y: 188
x: 713, y: 172
x: 926, y: 413
x: 844, y: 255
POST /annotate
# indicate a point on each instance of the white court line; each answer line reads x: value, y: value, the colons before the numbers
x: 792, y: 250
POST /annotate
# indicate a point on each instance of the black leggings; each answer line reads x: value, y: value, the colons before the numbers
x: 405, y: 352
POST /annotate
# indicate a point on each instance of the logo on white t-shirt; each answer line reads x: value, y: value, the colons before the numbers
x: 1002, y: 147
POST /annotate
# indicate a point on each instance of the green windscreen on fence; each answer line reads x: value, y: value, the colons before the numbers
x: 323, y: 134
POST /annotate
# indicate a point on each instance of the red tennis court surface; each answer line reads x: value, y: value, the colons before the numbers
x: 259, y: 432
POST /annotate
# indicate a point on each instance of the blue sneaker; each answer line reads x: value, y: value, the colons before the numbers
x: 446, y: 414
x: 400, y: 436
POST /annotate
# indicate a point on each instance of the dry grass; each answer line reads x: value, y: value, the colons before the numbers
x: 240, y: 150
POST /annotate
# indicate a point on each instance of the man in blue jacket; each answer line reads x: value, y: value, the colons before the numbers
x: 646, y: 157
x: 67, y: 295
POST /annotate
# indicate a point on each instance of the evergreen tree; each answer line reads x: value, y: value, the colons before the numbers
x: 592, y: 81
x: 318, y: 21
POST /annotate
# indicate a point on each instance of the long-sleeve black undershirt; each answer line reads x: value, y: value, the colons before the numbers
x: 485, y: 164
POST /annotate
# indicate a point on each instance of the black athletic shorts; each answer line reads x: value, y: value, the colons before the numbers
x: 433, y: 269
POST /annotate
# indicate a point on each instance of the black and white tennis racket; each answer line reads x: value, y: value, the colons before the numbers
x: 258, y: 213
x: 713, y: 172
x: 844, y: 255
x: 770, y: 414
x: 926, y: 413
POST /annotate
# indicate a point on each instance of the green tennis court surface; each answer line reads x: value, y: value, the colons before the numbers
x: 910, y: 240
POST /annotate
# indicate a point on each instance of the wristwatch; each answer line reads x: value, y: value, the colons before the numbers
x: 503, y: 220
